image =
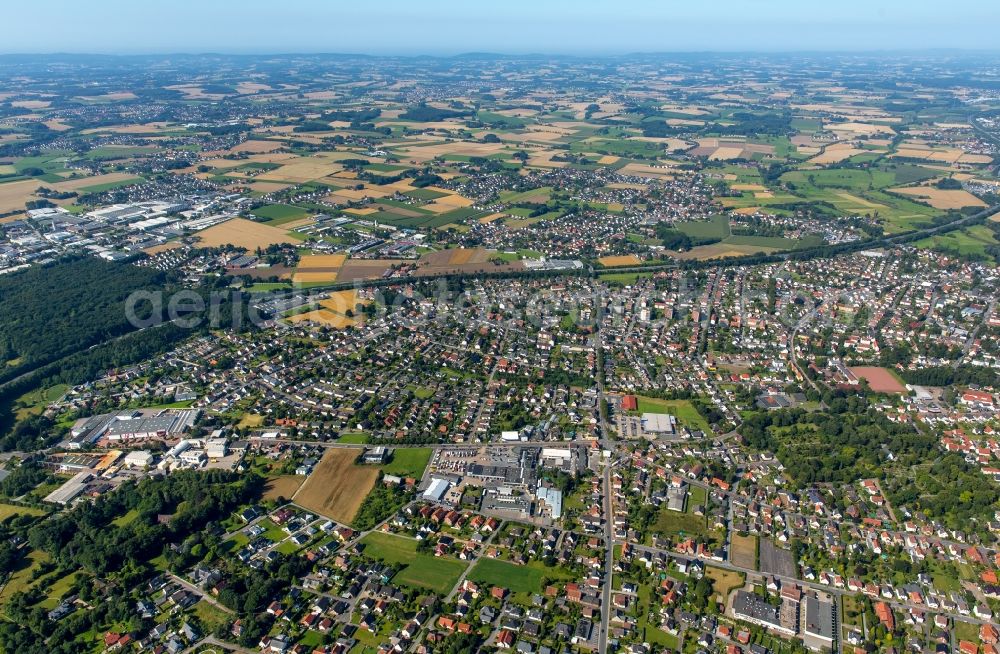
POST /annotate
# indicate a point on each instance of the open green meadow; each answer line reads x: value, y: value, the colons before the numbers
x: 420, y: 570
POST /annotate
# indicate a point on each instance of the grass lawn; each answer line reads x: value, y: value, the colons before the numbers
x: 272, y: 531
x: 697, y: 495
x: 970, y: 240
x: 34, y: 402
x: 651, y: 633
x: 435, y: 573
x: 724, y: 581
x: 671, y: 523
x: 356, y: 438
x: 21, y: 579
x: 424, y: 194
x: 516, y: 578
x: 966, y: 631
x: 408, y: 462
x: 715, y: 227
x: 685, y: 412
x: 126, y: 519
x: 107, y: 186
x: 7, y: 510
x: 209, y: 615
x: 55, y: 592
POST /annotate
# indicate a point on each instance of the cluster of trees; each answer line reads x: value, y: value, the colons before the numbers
x: 381, y: 503
x: 948, y: 376
x: 847, y: 442
x: 83, y: 537
x: 51, y: 311
x: 424, y: 113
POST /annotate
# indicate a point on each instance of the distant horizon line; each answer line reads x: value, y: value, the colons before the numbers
x: 474, y: 53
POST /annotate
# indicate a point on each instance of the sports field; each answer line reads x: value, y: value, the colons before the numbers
x: 881, y: 380
x: 337, y: 487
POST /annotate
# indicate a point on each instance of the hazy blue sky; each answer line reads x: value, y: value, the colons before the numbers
x: 514, y: 26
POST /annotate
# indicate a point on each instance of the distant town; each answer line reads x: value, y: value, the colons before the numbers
x: 334, y: 354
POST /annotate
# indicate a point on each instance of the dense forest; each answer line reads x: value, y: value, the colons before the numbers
x: 54, y: 310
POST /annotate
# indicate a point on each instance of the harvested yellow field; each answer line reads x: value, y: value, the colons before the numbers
x: 466, y: 148
x: 642, y: 170
x: 324, y: 317
x: 625, y: 185
x: 243, y: 233
x: 617, y: 261
x: 854, y: 128
x: 362, y: 211
x: 485, y: 220
x: 13, y: 195
x: 56, y: 125
x: 314, y: 277
x: 284, y: 486
x: 322, y: 261
x: 341, y: 301
x: 268, y: 187
x: 835, y: 153
x: 162, y: 247
x: 726, y: 153
x: 460, y: 256
x: 748, y: 187
x: 721, y: 251
x: 30, y: 104
x: 448, y: 203
x: 942, y: 198
x: 120, y: 95
x: 249, y: 88
x: 257, y: 147
x: 318, y: 268
x: 337, y: 487
x: 608, y: 159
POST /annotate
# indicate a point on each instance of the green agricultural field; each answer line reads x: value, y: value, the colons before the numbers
x: 101, y: 188
x: 716, y: 227
x: 534, y: 195
x: 435, y: 573
x: 265, y: 287
x: 408, y: 462
x: 843, y: 178
x: 279, y: 214
x: 424, y: 194
x: 967, y: 241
